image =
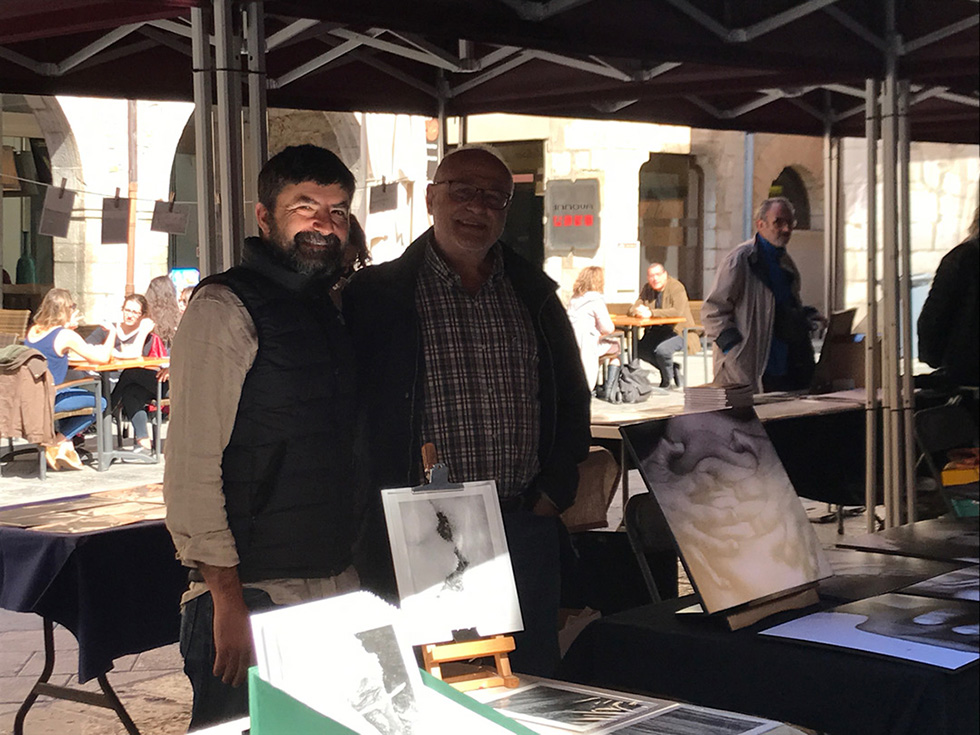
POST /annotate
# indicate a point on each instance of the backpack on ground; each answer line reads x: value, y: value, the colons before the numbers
x: 630, y: 385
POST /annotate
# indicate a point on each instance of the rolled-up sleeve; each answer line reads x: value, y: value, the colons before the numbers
x: 213, y: 350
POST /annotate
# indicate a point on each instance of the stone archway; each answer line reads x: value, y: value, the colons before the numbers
x: 66, y: 163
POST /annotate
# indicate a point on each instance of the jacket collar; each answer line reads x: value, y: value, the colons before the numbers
x: 256, y: 257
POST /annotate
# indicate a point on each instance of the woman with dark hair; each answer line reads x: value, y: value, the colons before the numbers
x: 164, y: 309
x: 53, y: 337
x: 137, y: 386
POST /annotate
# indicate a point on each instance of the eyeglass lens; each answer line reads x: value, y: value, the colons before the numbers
x: 462, y: 192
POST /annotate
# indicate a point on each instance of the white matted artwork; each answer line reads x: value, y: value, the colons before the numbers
x: 568, y: 708
x: 345, y: 658
x: 451, y: 562
x: 685, y: 719
x: 943, y: 633
x: 740, y: 528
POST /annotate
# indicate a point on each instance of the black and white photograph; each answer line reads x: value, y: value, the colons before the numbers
x: 945, y: 539
x: 861, y: 574
x: 451, y: 562
x: 943, y: 633
x: 960, y: 584
x: 687, y: 720
x: 740, y: 528
x: 568, y: 708
x: 344, y: 657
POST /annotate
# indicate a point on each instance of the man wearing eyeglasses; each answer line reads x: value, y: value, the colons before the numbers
x: 463, y: 343
x: 760, y: 329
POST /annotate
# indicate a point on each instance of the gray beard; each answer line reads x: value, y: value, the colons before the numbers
x: 298, y: 254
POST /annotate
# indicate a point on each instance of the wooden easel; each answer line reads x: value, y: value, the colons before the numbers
x: 464, y: 676
x: 753, y: 612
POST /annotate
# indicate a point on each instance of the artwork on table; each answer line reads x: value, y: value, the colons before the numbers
x: 451, y: 562
x: 570, y: 708
x: 960, y: 584
x: 343, y: 657
x: 861, y: 574
x: 943, y: 633
x: 740, y: 528
x: 945, y: 539
x: 688, y: 720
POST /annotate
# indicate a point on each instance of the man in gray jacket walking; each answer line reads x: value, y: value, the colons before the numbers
x: 760, y: 330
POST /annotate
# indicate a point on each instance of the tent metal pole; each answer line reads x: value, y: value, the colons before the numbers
x: 872, y: 373
x: 207, y: 247
x: 905, y: 300
x: 748, y: 187
x: 229, y: 119
x: 890, y: 342
x: 258, y: 131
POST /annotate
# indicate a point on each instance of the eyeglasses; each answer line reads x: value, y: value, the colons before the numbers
x: 460, y: 191
x: 138, y: 312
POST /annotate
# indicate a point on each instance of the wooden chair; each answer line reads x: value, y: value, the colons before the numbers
x: 13, y: 325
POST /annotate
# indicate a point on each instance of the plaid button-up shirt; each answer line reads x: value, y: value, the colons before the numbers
x: 481, y: 407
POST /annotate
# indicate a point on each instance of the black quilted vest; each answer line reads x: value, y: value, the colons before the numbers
x: 287, y: 474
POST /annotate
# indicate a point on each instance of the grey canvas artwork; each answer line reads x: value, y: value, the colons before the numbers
x: 445, y: 537
x: 946, y: 539
x: 739, y: 525
x: 685, y: 720
x: 567, y: 708
x: 861, y: 574
x: 960, y: 584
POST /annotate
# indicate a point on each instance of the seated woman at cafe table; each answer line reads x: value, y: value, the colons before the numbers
x: 137, y: 386
x: 132, y: 332
x: 52, y: 335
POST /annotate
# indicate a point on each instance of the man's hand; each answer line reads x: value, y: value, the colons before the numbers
x: 643, y: 311
x: 232, y: 634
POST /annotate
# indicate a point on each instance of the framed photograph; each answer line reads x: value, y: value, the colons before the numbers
x: 344, y: 657
x: 451, y: 562
x: 739, y: 526
x: 944, y: 539
x: 569, y: 708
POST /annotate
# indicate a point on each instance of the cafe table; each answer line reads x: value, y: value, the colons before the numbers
x: 106, y: 454
x: 631, y: 325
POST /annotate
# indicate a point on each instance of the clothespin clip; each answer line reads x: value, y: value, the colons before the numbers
x: 436, y: 473
x: 117, y: 198
x: 384, y: 190
x: 61, y: 191
x: 171, y: 207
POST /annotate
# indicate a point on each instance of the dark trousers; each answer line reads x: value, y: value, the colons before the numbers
x: 533, y: 543
x: 214, y: 701
x: 658, y: 347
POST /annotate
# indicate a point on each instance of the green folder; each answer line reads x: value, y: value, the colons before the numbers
x: 273, y: 712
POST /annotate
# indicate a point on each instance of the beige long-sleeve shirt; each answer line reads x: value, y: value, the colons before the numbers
x: 212, y: 352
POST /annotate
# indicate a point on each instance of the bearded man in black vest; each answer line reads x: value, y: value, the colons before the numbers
x: 260, y: 447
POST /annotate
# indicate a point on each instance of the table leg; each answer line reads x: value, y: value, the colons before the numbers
x: 624, y: 467
x: 107, y: 698
x: 684, y: 359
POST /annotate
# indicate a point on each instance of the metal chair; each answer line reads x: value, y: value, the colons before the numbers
x: 652, y: 541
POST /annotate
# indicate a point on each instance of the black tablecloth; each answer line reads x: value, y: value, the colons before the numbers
x: 652, y: 651
x: 118, y: 591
